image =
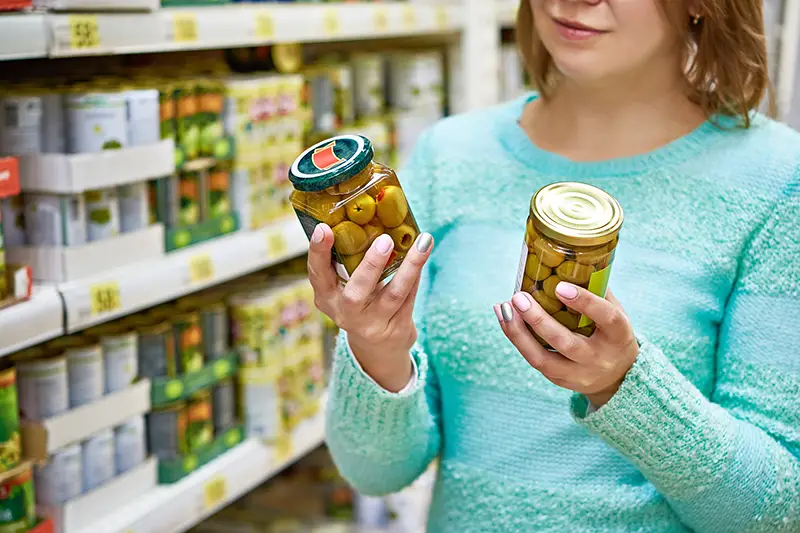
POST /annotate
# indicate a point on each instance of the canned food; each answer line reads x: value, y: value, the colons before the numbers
x: 186, y: 119
x: 337, y: 182
x: 143, y: 116
x: 85, y: 373
x: 190, y: 198
x: 157, y: 351
x: 102, y: 214
x: 571, y: 235
x: 368, y: 84
x: 17, y: 505
x: 209, y: 116
x: 129, y: 446
x: 61, y: 478
x: 166, y: 431
x: 98, y: 459
x: 188, y: 342
x: 224, y: 406
x: 96, y: 122
x: 55, y: 220
x: 214, y: 324
x: 42, y: 385
x: 200, y: 422
x: 53, y: 123
x: 10, y: 444
x: 152, y: 201
x: 259, y: 399
x: 323, y: 111
x: 167, y: 111
x: 134, y: 207
x: 21, y: 125
x: 13, y: 217
x: 120, y: 359
x: 219, y: 200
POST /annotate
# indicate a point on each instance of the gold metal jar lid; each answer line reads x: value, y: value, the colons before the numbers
x: 576, y: 213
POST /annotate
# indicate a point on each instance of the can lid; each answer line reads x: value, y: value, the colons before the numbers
x: 331, y: 162
x: 576, y: 214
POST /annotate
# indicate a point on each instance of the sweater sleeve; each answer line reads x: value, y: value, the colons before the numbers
x: 730, y: 464
x: 382, y: 441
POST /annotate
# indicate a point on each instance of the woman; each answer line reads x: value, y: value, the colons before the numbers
x: 681, y: 412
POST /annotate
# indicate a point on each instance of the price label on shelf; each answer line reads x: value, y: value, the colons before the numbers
x: 441, y: 17
x: 184, y: 28
x: 265, y: 26
x: 277, y: 246
x: 381, y: 19
x: 201, y: 268
x: 214, y: 492
x: 409, y: 17
x: 283, y: 448
x: 330, y: 22
x: 104, y: 298
x: 84, y: 32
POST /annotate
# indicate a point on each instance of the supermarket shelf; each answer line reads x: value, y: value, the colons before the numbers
x: 507, y: 13
x: 147, y: 283
x: 176, y: 508
x: 28, y: 323
x: 24, y: 36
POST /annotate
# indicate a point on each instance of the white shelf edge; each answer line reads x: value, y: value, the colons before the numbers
x: 32, y: 322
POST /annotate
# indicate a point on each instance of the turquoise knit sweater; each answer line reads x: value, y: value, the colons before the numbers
x: 703, y: 435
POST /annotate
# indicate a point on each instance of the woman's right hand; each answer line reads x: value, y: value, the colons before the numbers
x: 376, y: 317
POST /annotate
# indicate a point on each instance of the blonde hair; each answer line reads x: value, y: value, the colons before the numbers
x: 725, y: 51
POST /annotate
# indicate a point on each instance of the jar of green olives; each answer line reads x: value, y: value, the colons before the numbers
x: 337, y: 182
x: 571, y: 235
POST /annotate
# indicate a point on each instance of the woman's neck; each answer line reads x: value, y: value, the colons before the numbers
x: 621, y: 119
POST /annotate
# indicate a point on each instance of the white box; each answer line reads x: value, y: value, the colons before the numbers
x: 75, y: 173
x: 60, y: 264
x: 87, y: 510
x: 41, y: 439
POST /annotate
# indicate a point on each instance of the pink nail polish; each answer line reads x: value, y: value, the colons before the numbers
x: 383, y: 244
x: 521, y: 302
x: 567, y: 290
x: 318, y: 235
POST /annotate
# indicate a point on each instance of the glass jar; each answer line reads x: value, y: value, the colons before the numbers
x: 571, y: 235
x: 337, y: 182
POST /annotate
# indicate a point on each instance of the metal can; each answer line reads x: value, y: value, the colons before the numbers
x: 188, y: 342
x: 166, y: 431
x: 96, y: 122
x: 42, y: 385
x: 10, y: 444
x: 571, y: 235
x: 98, y: 459
x: 219, y: 198
x: 55, y: 219
x: 368, y: 78
x: 13, y: 217
x: 102, y: 214
x: 129, y: 445
x: 156, y: 351
x: 214, y: 324
x: 200, y: 421
x: 143, y: 116
x: 120, y: 359
x: 321, y: 88
x: 53, y: 123
x: 189, y: 211
x: 21, y: 125
x: 61, y: 479
x: 134, y: 206
x: 260, y: 402
x: 17, y: 505
x: 224, y: 406
x: 85, y: 373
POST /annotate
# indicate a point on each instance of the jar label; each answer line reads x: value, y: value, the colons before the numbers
x: 598, y: 285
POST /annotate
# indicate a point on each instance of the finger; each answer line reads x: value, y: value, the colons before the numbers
x: 608, y: 317
x: 613, y: 299
x: 563, y: 340
x: 320, y: 270
x: 551, y: 364
x: 395, y: 293
x: 406, y: 310
x: 359, y: 290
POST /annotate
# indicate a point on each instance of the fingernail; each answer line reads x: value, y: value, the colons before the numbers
x: 497, y: 312
x: 567, y: 290
x: 424, y: 242
x: 507, y: 311
x: 521, y: 302
x: 383, y: 244
x: 318, y: 235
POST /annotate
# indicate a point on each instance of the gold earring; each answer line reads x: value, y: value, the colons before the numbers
x: 696, y: 20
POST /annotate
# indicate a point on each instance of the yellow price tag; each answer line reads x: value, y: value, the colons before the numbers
x: 184, y: 27
x: 276, y: 245
x: 283, y: 448
x: 330, y: 22
x: 84, y: 32
x: 381, y: 18
x: 214, y: 492
x: 265, y: 26
x: 201, y: 268
x: 409, y: 17
x: 441, y: 17
x: 104, y: 298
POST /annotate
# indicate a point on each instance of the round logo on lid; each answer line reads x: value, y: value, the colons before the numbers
x: 330, y: 162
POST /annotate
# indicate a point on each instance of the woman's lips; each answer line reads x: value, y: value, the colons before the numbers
x: 572, y: 31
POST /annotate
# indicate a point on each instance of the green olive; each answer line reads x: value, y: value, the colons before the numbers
x: 325, y: 208
x: 535, y: 270
x: 352, y: 261
x: 392, y: 206
x: 549, y: 286
x: 527, y: 284
x: 547, y: 254
x: 403, y: 237
x: 575, y: 272
x: 349, y: 238
x: 361, y: 209
x: 550, y: 305
x: 530, y: 234
x: 567, y: 319
x: 586, y: 331
x: 374, y: 229
x: 354, y: 183
x: 592, y: 256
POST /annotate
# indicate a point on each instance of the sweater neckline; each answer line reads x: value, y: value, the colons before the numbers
x: 539, y: 159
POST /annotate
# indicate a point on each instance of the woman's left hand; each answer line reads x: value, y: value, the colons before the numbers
x: 594, y: 366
